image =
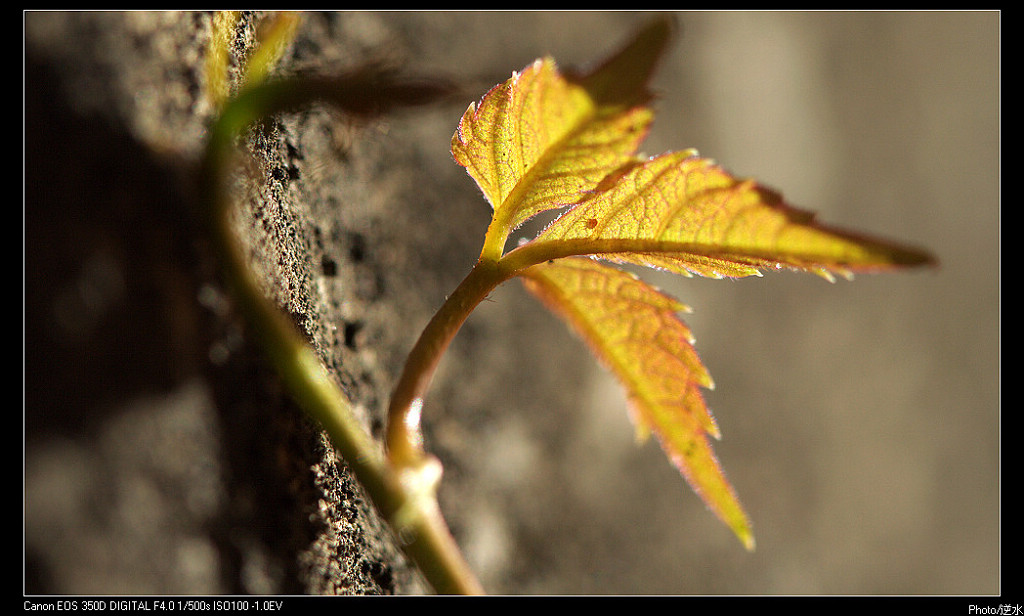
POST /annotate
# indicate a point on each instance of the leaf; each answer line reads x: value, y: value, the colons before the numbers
x: 275, y: 33
x: 636, y: 333
x: 217, y: 56
x: 543, y: 141
x: 538, y: 140
x: 685, y: 214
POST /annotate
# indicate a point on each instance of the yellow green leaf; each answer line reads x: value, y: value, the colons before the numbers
x: 635, y: 331
x: 543, y: 141
x: 217, y: 56
x: 683, y: 213
x: 274, y: 36
x: 540, y: 139
x: 275, y: 33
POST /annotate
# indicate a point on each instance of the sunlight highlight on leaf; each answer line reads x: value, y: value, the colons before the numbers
x: 536, y: 141
x: 540, y: 139
x: 543, y: 141
x: 685, y: 214
x: 635, y: 331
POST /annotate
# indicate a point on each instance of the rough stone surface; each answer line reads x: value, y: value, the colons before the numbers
x: 164, y: 457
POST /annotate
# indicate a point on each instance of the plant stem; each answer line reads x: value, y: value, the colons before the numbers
x: 403, y: 494
x: 404, y: 438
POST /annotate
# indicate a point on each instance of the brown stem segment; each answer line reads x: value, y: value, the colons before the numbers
x: 404, y: 436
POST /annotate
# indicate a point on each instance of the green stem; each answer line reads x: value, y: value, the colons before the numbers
x: 404, y: 495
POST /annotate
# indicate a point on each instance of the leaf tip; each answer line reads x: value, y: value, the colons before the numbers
x: 747, y: 537
x: 622, y: 78
x: 824, y: 273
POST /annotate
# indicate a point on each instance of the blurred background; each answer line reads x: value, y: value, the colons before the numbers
x: 860, y: 419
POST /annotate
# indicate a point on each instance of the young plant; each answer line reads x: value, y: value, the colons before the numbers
x: 541, y: 141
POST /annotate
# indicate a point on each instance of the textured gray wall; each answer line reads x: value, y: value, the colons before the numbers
x: 860, y: 419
